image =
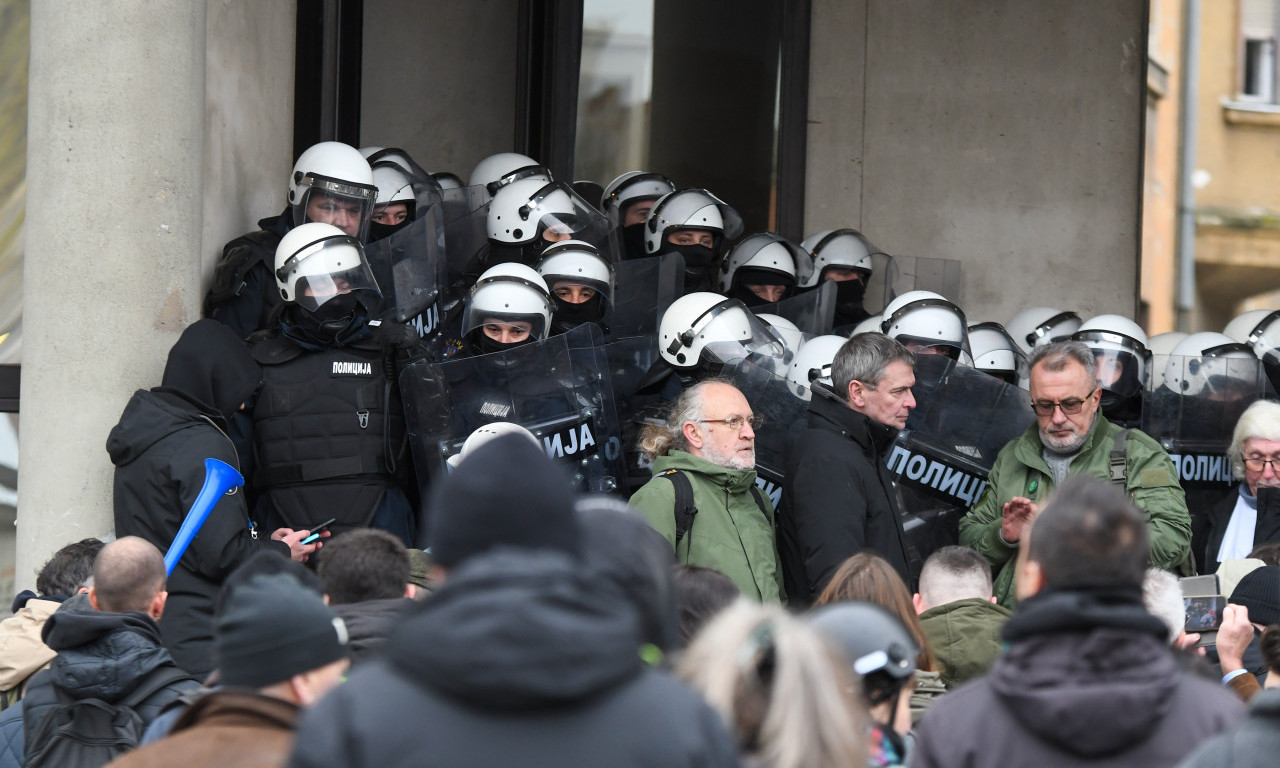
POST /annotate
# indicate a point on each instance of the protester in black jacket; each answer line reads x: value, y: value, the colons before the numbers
x: 159, y: 448
x: 1088, y: 677
x: 838, y: 497
x: 518, y: 659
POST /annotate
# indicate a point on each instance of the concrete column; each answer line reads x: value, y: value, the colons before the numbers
x: 113, y: 237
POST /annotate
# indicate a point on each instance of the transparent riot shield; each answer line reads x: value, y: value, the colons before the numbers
x: 629, y: 360
x: 785, y: 417
x: 923, y: 273
x: 941, y: 461
x: 1191, y: 406
x: 410, y: 268
x: 465, y: 211
x: 881, y: 285
x: 559, y: 389
x: 813, y: 312
x: 643, y: 289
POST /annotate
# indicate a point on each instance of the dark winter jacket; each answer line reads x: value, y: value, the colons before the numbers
x: 244, y: 293
x: 965, y: 637
x: 838, y: 498
x: 516, y: 660
x: 1209, y: 527
x: 159, y: 448
x: 100, y: 655
x: 369, y: 622
x: 1254, y: 744
x: 1087, y: 680
x: 225, y: 729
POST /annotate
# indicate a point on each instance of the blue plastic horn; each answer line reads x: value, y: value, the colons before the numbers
x: 219, y: 477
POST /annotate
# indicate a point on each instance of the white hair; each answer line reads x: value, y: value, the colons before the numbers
x: 1162, y: 594
x: 1260, y: 420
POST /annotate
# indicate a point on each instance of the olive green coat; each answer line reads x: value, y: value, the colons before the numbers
x: 729, y: 533
x: 1151, y: 481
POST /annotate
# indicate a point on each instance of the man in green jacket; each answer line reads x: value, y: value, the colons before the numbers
x: 709, y: 439
x: 1071, y: 437
x: 959, y: 615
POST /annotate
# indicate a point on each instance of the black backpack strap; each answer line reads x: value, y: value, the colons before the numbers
x: 685, y: 510
x: 159, y: 679
x: 1118, y: 458
x: 764, y: 508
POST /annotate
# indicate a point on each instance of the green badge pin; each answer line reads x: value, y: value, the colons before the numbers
x: 1032, y: 486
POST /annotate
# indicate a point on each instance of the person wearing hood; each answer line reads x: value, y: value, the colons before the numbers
x: 519, y: 658
x: 1088, y: 678
x: 838, y: 496
x: 159, y: 447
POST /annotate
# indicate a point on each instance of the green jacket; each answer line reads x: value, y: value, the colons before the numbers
x: 965, y: 637
x: 1151, y: 481
x: 728, y: 534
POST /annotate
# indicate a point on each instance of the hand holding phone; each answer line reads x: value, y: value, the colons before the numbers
x: 316, y: 531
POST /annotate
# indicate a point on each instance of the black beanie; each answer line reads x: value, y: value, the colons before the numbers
x: 273, y: 628
x: 1259, y: 591
x: 506, y: 493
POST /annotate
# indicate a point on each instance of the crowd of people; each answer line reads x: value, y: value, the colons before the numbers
x: 518, y: 470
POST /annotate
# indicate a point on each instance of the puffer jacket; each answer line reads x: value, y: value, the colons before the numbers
x: 965, y: 637
x: 1151, y: 482
x: 1088, y: 679
x: 517, y: 660
x: 729, y: 533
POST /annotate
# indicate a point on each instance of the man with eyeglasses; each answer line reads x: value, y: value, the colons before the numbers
x: 703, y: 497
x: 1231, y: 528
x: 838, y: 495
x: 1071, y: 437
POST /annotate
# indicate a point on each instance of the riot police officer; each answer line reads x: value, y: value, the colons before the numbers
x: 760, y: 269
x: 331, y: 183
x: 627, y: 201
x: 696, y: 224
x: 842, y: 256
x: 1119, y: 347
x: 580, y: 281
x: 329, y: 431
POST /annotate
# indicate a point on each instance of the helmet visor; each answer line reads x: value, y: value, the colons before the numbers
x: 329, y: 268
x: 348, y: 207
x: 509, y: 302
x: 729, y: 331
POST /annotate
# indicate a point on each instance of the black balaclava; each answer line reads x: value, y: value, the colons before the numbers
x: 849, y: 295
x: 569, y: 315
x: 520, y: 253
x: 379, y: 231
x: 744, y: 277
x: 699, y: 266
x: 480, y: 341
x: 334, y: 323
x: 633, y: 241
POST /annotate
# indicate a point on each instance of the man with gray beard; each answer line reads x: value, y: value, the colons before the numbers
x: 1071, y: 437
x: 703, y: 497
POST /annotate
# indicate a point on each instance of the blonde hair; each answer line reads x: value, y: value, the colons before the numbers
x: 787, y: 696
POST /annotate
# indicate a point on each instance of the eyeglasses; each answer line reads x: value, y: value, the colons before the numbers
x: 736, y: 422
x: 1070, y: 407
x: 1258, y: 463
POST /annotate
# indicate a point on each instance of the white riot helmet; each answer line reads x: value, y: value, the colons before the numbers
x: 923, y: 319
x: 1119, y: 347
x: 633, y: 186
x: 509, y: 293
x: 1207, y: 362
x: 1163, y: 343
x: 813, y: 364
x: 393, y: 185
x: 1260, y: 329
x: 689, y: 209
x: 376, y: 156
x: 1041, y: 325
x: 840, y: 248
x: 523, y: 209
x: 316, y: 263
x: 447, y: 180
x: 708, y: 328
x: 488, y: 433
x: 573, y: 262
x: 762, y: 258
x: 870, y: 325
x: 995, y: 353
x: 332, y: 183
x: 497, y: 171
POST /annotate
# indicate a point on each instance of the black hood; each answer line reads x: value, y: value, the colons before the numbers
x: 103, y: 655
x: 150, y: 417
x: 210, y: 366
x: 516, y: 630
x: 1087, y: 671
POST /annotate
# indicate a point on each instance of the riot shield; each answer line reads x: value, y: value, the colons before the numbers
x: 922, y: 273
x: 559, y: 389
x: 1191, y: 406
x: 941, y: 461
x: 410, y: 268
x: 644, y: 288
x: 629, y: 360
x: 813, y: 312
x: 785, y: 417
x: 464, y: 211
x: 880, y: 287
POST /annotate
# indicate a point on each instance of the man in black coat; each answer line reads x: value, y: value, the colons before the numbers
x: 838, y: 496
x: 1088, y: 677
x: 159, y: 448
x: 520, y: 658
